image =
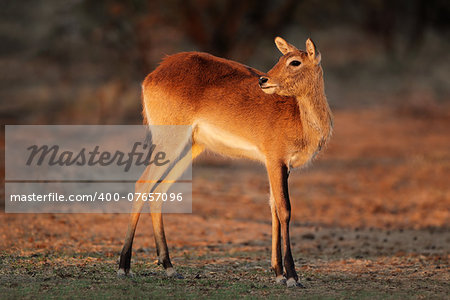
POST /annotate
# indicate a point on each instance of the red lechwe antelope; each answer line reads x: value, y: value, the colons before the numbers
x: 281, y: 119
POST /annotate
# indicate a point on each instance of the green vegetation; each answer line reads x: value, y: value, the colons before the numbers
x: 85, y: 276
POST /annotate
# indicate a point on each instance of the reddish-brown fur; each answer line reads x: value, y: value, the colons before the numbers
x: 280, y: 118
x: 231, y: 89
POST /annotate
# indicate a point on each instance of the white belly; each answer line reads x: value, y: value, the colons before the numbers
x: 223, y: 142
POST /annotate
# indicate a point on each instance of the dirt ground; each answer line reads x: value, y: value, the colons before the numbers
x: 370, y: 219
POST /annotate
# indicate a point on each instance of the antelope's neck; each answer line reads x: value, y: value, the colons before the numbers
x: 317, y: 125
x: 315, y: 114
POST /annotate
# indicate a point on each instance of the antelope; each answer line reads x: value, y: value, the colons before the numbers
x: 281, y: 119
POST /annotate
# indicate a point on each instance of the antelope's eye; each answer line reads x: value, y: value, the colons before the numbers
x: 295, y: 63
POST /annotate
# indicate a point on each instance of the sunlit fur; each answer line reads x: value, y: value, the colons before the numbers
x: 197, y: 88
x: 282, y: 122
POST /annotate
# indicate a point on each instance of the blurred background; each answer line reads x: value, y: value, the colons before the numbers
x: 386, y: 66
x: 372, y: 212
x: 82, y: 62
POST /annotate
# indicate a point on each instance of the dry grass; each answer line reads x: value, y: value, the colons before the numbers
x: 370, y: 220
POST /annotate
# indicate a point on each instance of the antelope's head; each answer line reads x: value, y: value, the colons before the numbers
x: 296, y: 72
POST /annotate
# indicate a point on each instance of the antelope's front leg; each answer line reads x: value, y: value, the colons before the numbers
x: 276, y: 261
x: 278, y: 176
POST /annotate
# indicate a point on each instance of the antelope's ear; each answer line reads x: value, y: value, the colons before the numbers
x: 284, y: 46
x: 313, y: 53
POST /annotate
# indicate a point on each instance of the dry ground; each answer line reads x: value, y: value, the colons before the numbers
x: 370, y: 220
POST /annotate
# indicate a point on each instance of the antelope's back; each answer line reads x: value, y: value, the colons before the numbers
x: 193, y: 72
x: 192, y: 86
x: 191, y: 81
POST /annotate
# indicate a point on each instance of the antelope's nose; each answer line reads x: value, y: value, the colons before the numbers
x: 263, y: 80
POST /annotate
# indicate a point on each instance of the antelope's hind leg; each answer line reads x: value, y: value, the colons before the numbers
x: 157, y: 220
x: 145, y: 184
x: 125, y: 255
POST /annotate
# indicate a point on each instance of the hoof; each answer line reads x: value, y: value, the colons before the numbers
x: 291, y: 282
x: 280, y: 280
x: 170, y: 272
x: 124, y: 273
